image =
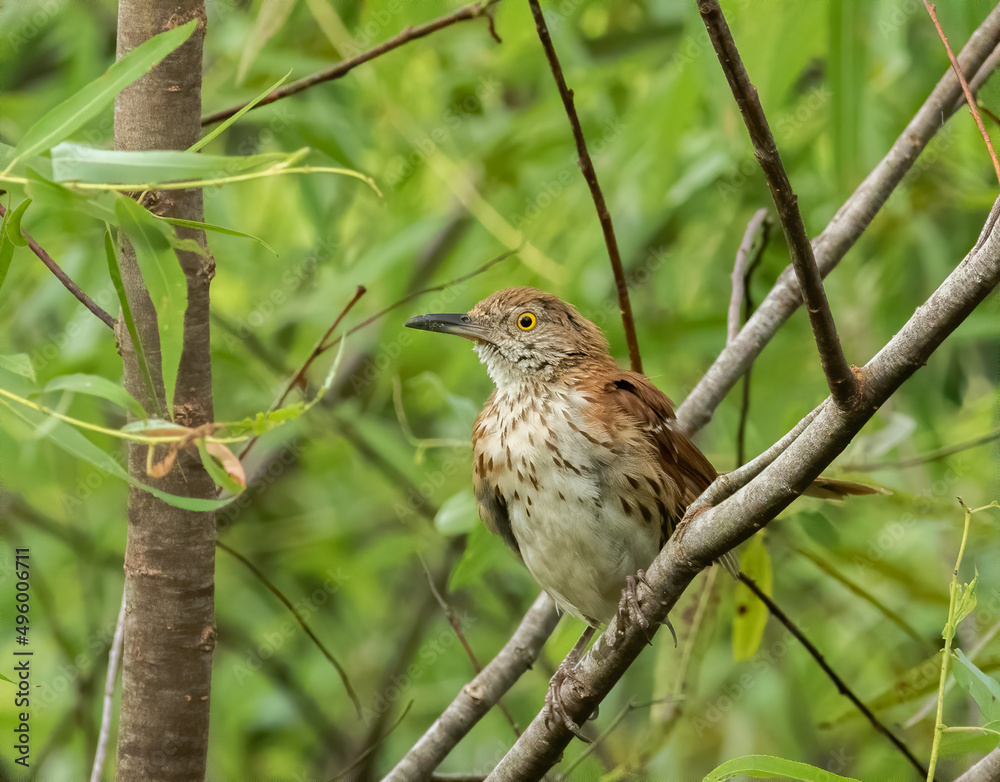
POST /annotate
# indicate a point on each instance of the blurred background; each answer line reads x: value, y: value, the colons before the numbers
x: 355, y: 509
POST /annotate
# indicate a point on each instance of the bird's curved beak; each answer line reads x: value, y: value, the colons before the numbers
x: 451, y: 323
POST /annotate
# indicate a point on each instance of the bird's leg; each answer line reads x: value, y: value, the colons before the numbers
x: 555, y: 709
x: 629, y: 609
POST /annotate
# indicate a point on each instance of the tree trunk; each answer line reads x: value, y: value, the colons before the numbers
x: 170, y: 554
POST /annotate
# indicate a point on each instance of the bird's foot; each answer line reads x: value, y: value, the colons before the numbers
x: 629, y: 609
x: 555, y: 709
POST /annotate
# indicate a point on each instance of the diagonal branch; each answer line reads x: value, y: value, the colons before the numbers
x: 341, y: 69
x: 106, y: 318
x: 589, y: 174
x: 839, y: 377
x: 703, y: 538
x: 965, y: 88
x: 851, y: 220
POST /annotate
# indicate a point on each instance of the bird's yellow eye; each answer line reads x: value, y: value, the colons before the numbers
x: 526, y: 321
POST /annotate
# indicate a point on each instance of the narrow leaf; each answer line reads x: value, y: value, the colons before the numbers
x: 12, y: 225
x: 87, y: 103
x: 95, y: 385
x: 217, y: 229
x: 60, y: 198
x: 79, y: 163
x: 206, y: 139
x: 116, y: 278
x: 6, y: 250
x: 768, y: 767
x: 985, y: 690
x: 163, y: 277
x: 227, y: 472
x: 751, y: 614
x: 19, y: 364
x: 270, y: 18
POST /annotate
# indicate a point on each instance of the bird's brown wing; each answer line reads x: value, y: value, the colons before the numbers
x: 652, y: 409
x: 680, y: 459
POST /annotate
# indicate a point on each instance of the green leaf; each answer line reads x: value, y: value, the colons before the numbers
x: 95, y: 385
x: 12, y: 225
x: 19, y: 364
x: 271, y: 17
x: 79, y: 163
x: 75, y: 444
x: 206, y: 139
x: 484, y: 552
x: 751, y: 614
x: 768, y: 767
x: 985, y: 690
x: 116, y: 278
x: 217, y: 228
x: 216, y: 470
x: 87, y: 103
x: 965, y: 603
x: 458, y: 514
x: 6, y: 249
x: 59, y: 198
x: 6, y: 679
x: 163, y: 278
x: 963, y: 742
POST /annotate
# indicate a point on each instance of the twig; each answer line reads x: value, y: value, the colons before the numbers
x: 747, y: 259
x: 741, y: 269
x: 840, y: 378
x: 106, y: 318
x: 930, y: 456
x: 839, y: 683
x: 344, y: 773
x: 308, y: 630
x: 965, y: 88
x: 473, y: 11
x: 318, y: 349
x: 107, y: 709
x: 478, y: 696
x: 456, y: 625
x: 589, y: 174
x: 980, y: 56
x: 861, y: 592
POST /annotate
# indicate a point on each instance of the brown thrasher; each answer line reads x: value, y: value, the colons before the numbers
x: 579, y: 465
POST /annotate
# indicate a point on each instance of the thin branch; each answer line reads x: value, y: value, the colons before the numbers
x: 308, y: 630
x: 741, y: 307
x: 341, y: 69
x: 345, y: 773
x: 479, y: 695
x: 741, y: 269
x: 318, y: 349
x: 971, y: 101
x: 839, y: 376
x: 980, y: 57
x: 589, y: 174
x: 930, y: 456
x: 456, y: 625
x: 839, y: 683
x: 703, y: 536
x: 108, y: 705
x: 105, y: 318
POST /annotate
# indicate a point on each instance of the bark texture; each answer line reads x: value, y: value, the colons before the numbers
x: 170, y: 554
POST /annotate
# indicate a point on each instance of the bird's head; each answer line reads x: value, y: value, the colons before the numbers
x: 525, y: 336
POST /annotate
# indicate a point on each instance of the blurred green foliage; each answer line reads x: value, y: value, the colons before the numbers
x: 469, y: 144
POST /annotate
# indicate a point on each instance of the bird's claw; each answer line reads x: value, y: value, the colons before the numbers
x: 629, y: 609
x: 555, y: 709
